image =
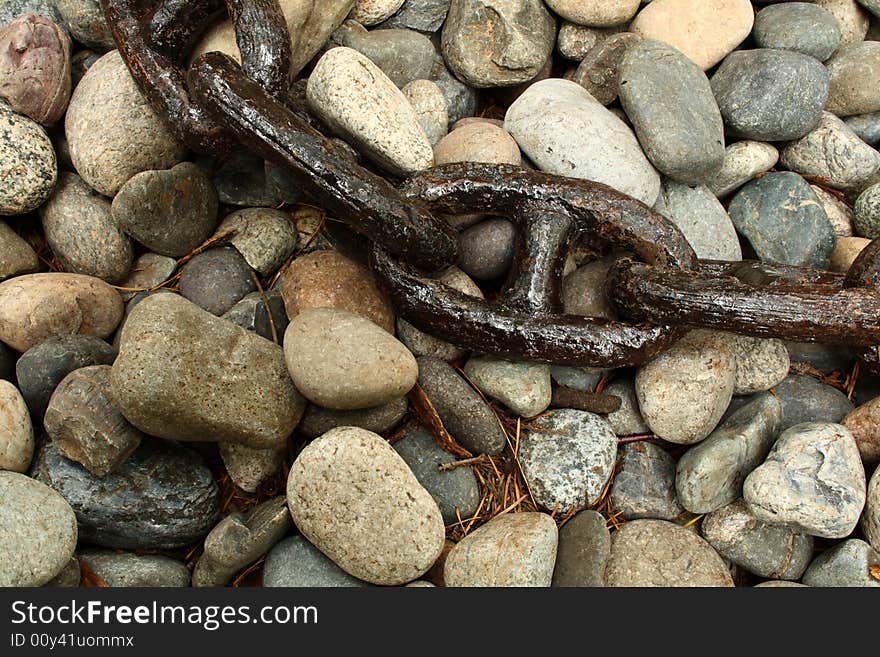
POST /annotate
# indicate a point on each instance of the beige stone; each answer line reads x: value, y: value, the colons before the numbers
x: 846, y: 250
x: 16, y: 431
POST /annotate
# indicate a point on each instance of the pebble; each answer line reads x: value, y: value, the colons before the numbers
x: 846, y: 250
x: 479, y: 141
x: 743, y: 161
x: 170, y: 212
x: 35, y: 67
x: 137, y: 570
x: 236, y: 383
x: 249, y: 467
x: 296, y: 563
x: 37, y: 531
x: 28, y: 165
x: 847, y: 564
x: 112, y: 131
x: 564, y: 130
x: 583, y: 290
x: 216, y: 279
x: 460, y: 408
x: 16, y: 255
x: 69, y: 577
x: 162, y: 497
x: 576, y: 378
x: 264, y: 237
x: 766, y: 550
x: 864, y: 425
x: 344, y: 361
x: 575, y: 41
x: 487, y: 249
x: 701, y: 218
x: 853, y: 71
x: 327, y: 279
x: 12, y: 8
x: 661, y: 553
x: 851, y: 17
x: 525, y: 388
x: 431, y: 108
x: 461, y: 100
x: 36, y: 307
x: 806, y: 399
x: 644, y: 486
x: 511, y: 550
x: 761, y: 363
x: 871, y: 517
x: 800, y: 26
x: 346, y: 489
x: 599, y: 69
x: 683, y: 392
x: 373, y: 12
x: 627, y: 420
x: 455, y: 491
x: 598, y: 14
x: 377, y: 419
x: 403, y: 55
x: 259, y: 312
x: 783, y: 220
x: 839, y: 213
x: 866, y: 212
x: 147, y: 271
x: 344, y: 83
x: 751, y: 85
x: 567, y: 457
x: 583, y: 550
x: 86, y: 22
x: 82, y: 232
x: 490, y: 44
x: 813, y: 479
x: 239, y: 540
x: 16, y: 430
x: 670, y: 104
x: 866, y: 126
x: 245, y: 179
x: 713, y: 27
x: 421, y: 15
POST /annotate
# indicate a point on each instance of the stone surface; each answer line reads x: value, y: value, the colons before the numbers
x: 266, y: 238
x: 575, y: 41
x: 403, y: 55
x: 259, y: 313
x: 37, y: 531
x: 479, y: 141
x: 136, y: 570
x: 487, y: 249
x: 871, y: 517
x: 16, y: 255
x: 216, y: 279
x: 627, y: 420
x: 866, y: 126
x: 512, y: 550
x: 421, y: 15
x: 806, y: 399
x: 599, y: 69
x: 767, y: 550
x: 245, y: 179
x: 461, y: 100
x: 660, y: 553
x: 644, y: 486
x: 296, y: 563
x: 16, y: 430
x: 800, y: 26
x: 236, y: 383
x: 346, y: 489
x: 864, y: 425
x: 839, y: 213
x: 86, y: 22
x: 851, y: 18
x: 249, y: 467
x: 431, y: 108
x: 69, y: 577
x: 583, y: 290
x: 847, y: 564
x: 743, y: 160
x: 162, y: 497
x: 378, y: 419
x: 564, y: 130
x: 761, y: 363
x: 372, y: 12
x: 147, y: 271
x: 853, y: 69
x: 866, y: 212
x: 12, y: 8
x: 813, y: 479
x: 584, y: 546
x: 28, y: 165
x: 525, y: 388
x: 701, y: 217
x: 846, y: 250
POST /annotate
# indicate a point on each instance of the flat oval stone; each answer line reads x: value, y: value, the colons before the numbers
x: 162, y: 497
x: 28, y: 166
x: 266, y: 238
x: 511, y: 550
x: 487, y: 249
x: 479, y: 141
x: 346, y: 489
x: 743, y: 161
x: 866, y: 212
x: 421, y: 15
x: 16, y: 430
x: 813, y: 479
x: 343, y: 361
x: 378, y: 419
x: 644, y: 485
x: 853, y: 71
x: 864, y: 424
x: 806, y: 399
x: 799, y: 26
x: 137, y: 570
x: 294, y: 562
x: 525, y: 388
x: 584, y: 546
x: 184, y: 374
x: 661, y: 553
x: 403, y: 55
x: 37, y: 531
x: 36, y: 307
x: 217, y: 279
x: 847, y: 564
x: 701, y: 217
x: 871, y: 517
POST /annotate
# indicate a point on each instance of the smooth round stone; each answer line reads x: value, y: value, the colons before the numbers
x: 853, y: 71
x: 567, y: 459
x: 833, y: 153
x: 266, y: 238
x: 421, y: 15
x: 670, y: 104
x: 866, y: 212
x: 28, y: 165
x: 147, y: 271
x: 170, y: 212
x: 431, y: 108
x: 660, y: 553
x: 871, y: 517
x: 866, y: 126
x: 684, y: 392
x: 346, y: 489
x: 701, y: 218
x: 599, y: 70
x: 564, y: 130
x: 455, y: 491
x: 162, y: 497
x: 600, y: 14
x: 16, y: 255
x: 864, y: 425
x: 800, y: 26
x: 584, y: 546
x: 525, y: 388
x: 743, y: 161
x: 761, y: 363
x: 479, y: 141
x: 463, y: 412
x: 839, y: 213
x: 327, y: 279
x: 403, y: 55
x: 490, y: 44
x: 583, y: 290
x: 343, y: 361
x: 16, y: 430
x: 82, y: 232
x: 86, y: 22
x: 627, y: 420
x: 511, y: 550
x: 378, y: 419
x: 216, y: 279
x: 766, y: 550
x: 584, y: 379
x: 847, y: 564
x: 783, y: 220
x: 846, y: 250
x: 361, y: 104
x: 806, y: 399
x: 704, y: 30
x: 36, y: 307
x: 644, y: 486
x: 136, y: 570
x: 813, y: 479
x: 751, y: 85
x: 851, y: 17
x: 37, y: 531
x: 296, y: 563
x: 487, y: 249
x: 112, y: 131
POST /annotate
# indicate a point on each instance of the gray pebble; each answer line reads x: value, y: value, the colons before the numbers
x: 28, y: 166
x: 866, y: 126
x: 806, y: 399
x: 86, y: 22
x: 853, y: 71
x: 461, y: 100
x: 266, y: 238
x: 403, y: 55
x: 761, y: 363
x: 577, y: 378
x: 600, y: 67
x: 583, y: 290
x: 644, y: 486
x: 296, y: 563
x: 487, y: 249
x: 421, y: 15
x: 249, y: 467
x: 525, y: 388
x: 216, y: 279
x: 627, y: 420
x: 584, y: 546
x: 799, y: 26
x: 253, y: 313
x: 136, y: 570
x: 16, y: 255
x: 866, y: 212
x: 743, y: 161
x: 701, y: 217
x: 377, y: 419
x: 847, y: 564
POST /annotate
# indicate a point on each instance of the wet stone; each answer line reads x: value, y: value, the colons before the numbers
x: 584, y: 546
x: 487, y: 249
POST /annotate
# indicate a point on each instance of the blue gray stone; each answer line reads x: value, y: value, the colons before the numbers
x: 421, y: 15
x: 644, y: 486
x: 806, y: 399
x: 701, y: 217
x: 847, y: 564
x: 800, y: 26
x: 296, y: 563
x: 136, y: 570
x: 866, y: 126
x: 403, y: 55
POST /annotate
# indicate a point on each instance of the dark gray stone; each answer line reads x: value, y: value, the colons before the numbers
x: 824, y: 357
x: 784, y: 221
x: 217, y: 279
x: 137, y: 570
x: 403, y: 55
x: 487, y: 249
x: 456, y: 491
x: 252, y: 313
x: 296, y: 563
x: 461, y: 409
x: 644, y: 486
x: 866, y: 212
x: 378, y: 419
x: 770, y: 95
x: 599, y: 70
x: 461, y: 100
x: 421, y: 15
x: 583, y: 549
x: 806, y: 399
x: 162, y: 497
x: 800, y: 26
x: 247, y: 180
x: 866, y: 126
x: 847, y: 564
x: 41, y: 368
